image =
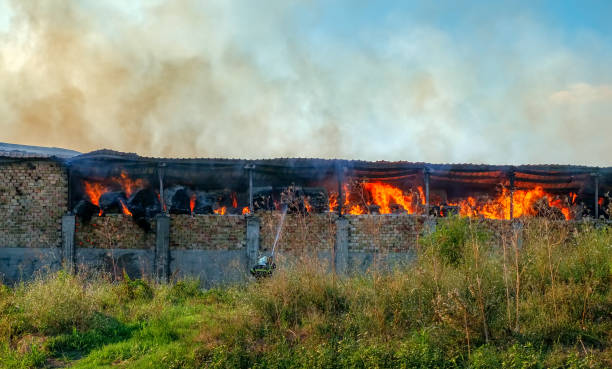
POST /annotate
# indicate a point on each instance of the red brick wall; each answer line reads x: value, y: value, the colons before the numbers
x: 384, y: 233
x: 205, y: 232
x: 300, y: 232
x: 113, y: 231
x: 33, y: 198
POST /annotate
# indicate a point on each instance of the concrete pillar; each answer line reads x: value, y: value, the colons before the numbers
x: 341, y: 246
x: 162, y: 249
x: 429, y: 225
x: 252, y: 240
x: 517, y: 228
x: 426, y: 180
x: 68, y: 226
x: 596, y: 185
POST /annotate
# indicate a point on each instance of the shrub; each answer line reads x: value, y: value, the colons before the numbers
x: 185, y: 289
x: 133, y: 289
x: 56, y: 304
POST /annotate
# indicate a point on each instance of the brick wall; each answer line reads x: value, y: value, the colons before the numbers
x: 384, y: 233
x: 300, y: 232
x: 206, y: 232
x: 33, y: 198
x: 115, y: 231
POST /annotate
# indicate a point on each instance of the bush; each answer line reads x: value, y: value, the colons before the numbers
x: 56, y: 304
x: 185, y: 289
x: 452, y: 234
x: 133, y: 289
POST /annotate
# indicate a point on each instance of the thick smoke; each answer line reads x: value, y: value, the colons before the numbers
x: 237, y: 79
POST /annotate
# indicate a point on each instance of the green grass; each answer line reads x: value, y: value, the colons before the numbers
x: 474, y: 298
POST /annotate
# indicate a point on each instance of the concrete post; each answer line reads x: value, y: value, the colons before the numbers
x: 68, y: 226
x: 252, y: 240
x: 426, y: 179
x: 429, y: 226
x: 162, y: 249
x: 341, y: 246
x: 596, y: 185
x: 517, y: 228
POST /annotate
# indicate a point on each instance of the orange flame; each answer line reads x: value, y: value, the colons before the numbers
x: 220, y: 211
x: 573, y: 196
x: 356, y: 210
x: 245, y: 210
x: 523, y: 204
x: 192, y: 202
x: 333, y: 202
x: 124, y: 208
x: 384, y: 195
x: 600, y: 201
x: 94, y: 191
x: 128, y: 185
x: 421, y: 195
x: 307, y: 205
x: 347, y: 194
x: 160, y: 200
x: 234, y: 200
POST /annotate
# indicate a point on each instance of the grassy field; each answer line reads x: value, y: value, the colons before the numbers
x: 466, y: 302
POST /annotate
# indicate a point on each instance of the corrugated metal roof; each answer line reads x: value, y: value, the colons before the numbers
x: 16, y: 154
x: 534, y: 169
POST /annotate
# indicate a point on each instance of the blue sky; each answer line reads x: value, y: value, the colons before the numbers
x: 445, y: 81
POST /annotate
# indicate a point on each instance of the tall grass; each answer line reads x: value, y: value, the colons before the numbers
x: 528, y: 296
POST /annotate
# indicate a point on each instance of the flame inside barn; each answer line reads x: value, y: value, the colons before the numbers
x: 106, y: 182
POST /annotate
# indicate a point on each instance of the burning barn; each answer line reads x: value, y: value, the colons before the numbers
x: 211, y: 218
x: 106, y: 182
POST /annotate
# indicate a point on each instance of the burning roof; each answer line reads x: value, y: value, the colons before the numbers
x: 128, y: 183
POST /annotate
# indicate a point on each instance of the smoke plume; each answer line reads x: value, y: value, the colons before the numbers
x: 234, y: 78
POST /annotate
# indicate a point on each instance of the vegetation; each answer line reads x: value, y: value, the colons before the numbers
x: 474, y: 298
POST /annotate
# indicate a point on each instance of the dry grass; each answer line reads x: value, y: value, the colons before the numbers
x: 538, y: 295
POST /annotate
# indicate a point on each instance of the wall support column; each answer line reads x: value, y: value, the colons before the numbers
x: 341, y: 246
x: 340, y: 179
x: 252, y: 240
x: 596, y: 185
x: 68, y: 227
x: 426, y: 179
x: 162, y: 249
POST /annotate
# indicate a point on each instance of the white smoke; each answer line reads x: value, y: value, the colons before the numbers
x: 239, y: 79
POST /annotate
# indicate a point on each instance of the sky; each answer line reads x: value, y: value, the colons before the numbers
x: 516, y: 82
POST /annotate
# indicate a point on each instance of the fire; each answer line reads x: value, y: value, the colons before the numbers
x: 307, y: 205
x: 220, y: 211
x: 523, y: 204
x: 356, y: 210
x: 234, y: 200
x: 128, y: 185
x: 160, y: 200
x: 245, y: 210
x: 573, y: 196
x: 192, y: 202
x: 346, y: 194
x: 124, y: 208
x: 600, y: 201
x: 333, y: 202
x: 384, y: 195
x: 421, y: 195
x: 94, y: 191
